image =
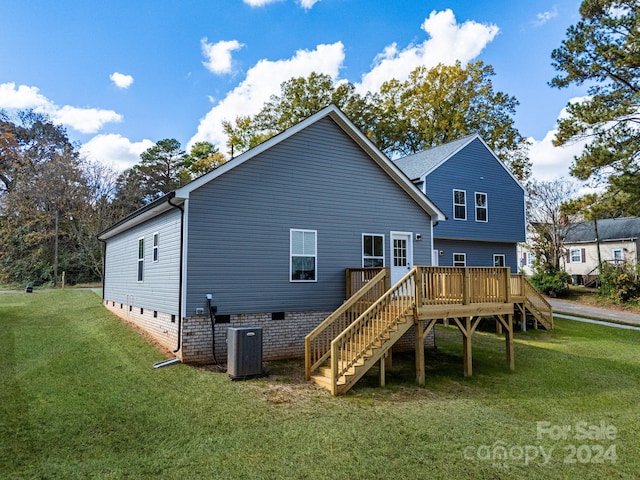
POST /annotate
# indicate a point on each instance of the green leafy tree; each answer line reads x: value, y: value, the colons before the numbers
x: 438, y: 105
x: 203, y: 157
x: 430, y: 108
x: 603, y: 51
x: 162, y: 169
x: 299, y: 98
x: 46, y: 192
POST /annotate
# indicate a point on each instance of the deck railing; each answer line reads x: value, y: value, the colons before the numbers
x: 464, y: 285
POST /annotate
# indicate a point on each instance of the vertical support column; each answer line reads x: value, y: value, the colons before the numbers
x: 466, y: 350
x: 383, y: 373
x: 509, y: 343
x: 420, y: 367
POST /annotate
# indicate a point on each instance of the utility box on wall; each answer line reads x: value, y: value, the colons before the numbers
x: 244, y: 352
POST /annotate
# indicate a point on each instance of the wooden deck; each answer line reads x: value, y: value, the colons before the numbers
x: 362, y: 331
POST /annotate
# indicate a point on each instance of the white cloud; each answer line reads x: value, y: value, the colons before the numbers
x: 121, y: 80
x: 449, y: 42
x: 260, y: 3
x: 544, y: 17
x: 550, y: 162
x: 218, y: 55
x: 22, y: 97
x: 84, y: 120
x: 262, y: 81
x: 115, y: 150
x: 307, y: 4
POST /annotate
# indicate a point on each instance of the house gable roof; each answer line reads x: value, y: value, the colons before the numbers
x: 332, y: 112
x: 421, y: 164
x: 609, y: 229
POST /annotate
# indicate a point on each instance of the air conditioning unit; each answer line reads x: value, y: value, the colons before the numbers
x: 244, y: 352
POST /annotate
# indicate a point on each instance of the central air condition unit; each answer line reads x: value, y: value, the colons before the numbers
x: 244, y: 352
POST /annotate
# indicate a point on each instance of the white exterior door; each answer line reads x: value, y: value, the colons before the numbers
x: 401, y: 255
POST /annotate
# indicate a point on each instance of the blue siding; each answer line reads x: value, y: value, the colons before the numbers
x: 479, y: 254
x: 475, y: 169
x: 159, y: 288
x: 318, y: 179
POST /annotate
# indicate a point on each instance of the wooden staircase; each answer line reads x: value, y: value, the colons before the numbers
x: 370, y: 344
x: 339, y: 363
x: 534, y: 306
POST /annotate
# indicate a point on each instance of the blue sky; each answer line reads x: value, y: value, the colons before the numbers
x: 123, y: 74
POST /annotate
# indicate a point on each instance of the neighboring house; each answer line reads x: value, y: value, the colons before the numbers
x: 526, y: 258
x: 611, y: 240
x: 268, y: 235
x: 483, y: 201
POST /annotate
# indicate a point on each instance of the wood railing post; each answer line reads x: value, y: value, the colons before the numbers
x: 507, y: 284
x: 387, y: 278
x: 418, y: 286
x: 347, y: 283
x: 466, y: 286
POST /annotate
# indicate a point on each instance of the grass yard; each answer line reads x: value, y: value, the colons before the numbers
x: 79, y: 399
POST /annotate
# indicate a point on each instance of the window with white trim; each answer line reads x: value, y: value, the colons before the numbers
x: 372, y: 250
x: 498, y: 260
x: 140, y: 259
x: 617, y: 255
x: 482, y: 211
x: 303, y: 255
x: 459, y: 205
x: 576, y: 255
x: 459, y: 259
x: 155, y: 247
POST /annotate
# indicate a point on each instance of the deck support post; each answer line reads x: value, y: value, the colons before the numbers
x: 508, y: 337
x: 421, y: 335
x: 420, y: 367
x: 383, y: 373
x: 467, y: 326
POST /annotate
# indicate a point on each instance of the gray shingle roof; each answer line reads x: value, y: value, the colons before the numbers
x: 608, y: 229
x: 418, y: 164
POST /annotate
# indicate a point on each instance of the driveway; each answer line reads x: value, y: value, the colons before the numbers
x: 572, y: 308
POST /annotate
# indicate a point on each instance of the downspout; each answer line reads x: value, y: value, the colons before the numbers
x: 179, y: 207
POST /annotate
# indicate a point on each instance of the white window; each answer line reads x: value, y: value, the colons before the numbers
x: 576, y: 255
x: 372, y: 250
x: 155, y: 247
x: 617, y: 255
x: 482, y: 211
x: 498, y: 260
x: 140, y: 259
x: 459, y: 205
x: 459, y: 259
x: 303, y: 255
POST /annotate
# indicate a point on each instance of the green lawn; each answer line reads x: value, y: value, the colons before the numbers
x: 79, y: 399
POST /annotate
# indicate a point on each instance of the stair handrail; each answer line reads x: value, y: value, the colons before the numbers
x: 317, y: 344
x: 403, y: 294
x: 535, y: 300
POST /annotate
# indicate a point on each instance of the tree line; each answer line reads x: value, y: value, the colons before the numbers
x: 53, y: 201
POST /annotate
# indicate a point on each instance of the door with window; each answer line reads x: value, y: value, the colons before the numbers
x: 402, y: 255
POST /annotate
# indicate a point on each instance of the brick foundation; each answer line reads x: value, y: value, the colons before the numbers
x: 281, y: 339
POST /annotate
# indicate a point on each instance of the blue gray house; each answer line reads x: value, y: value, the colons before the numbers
x: 483, y: 201
x: 268, y: 235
